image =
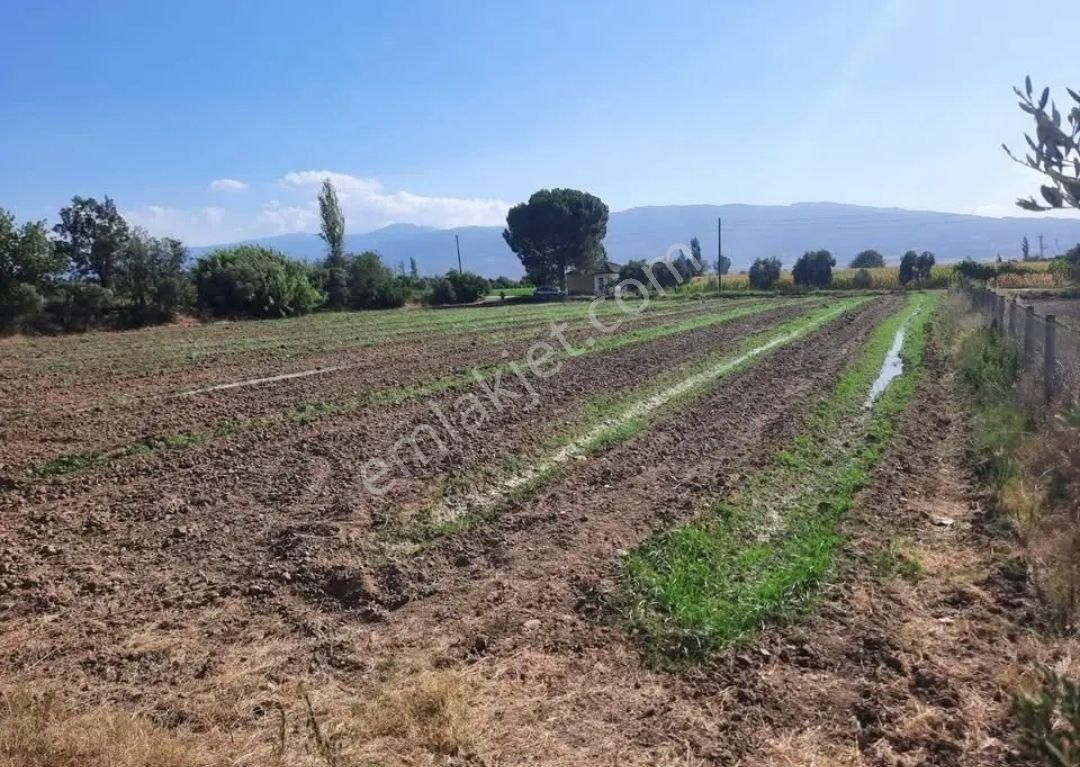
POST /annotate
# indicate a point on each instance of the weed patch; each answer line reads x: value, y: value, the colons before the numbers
x: 897, y: 562
x: 757, y: 557
x: 1050, y: 722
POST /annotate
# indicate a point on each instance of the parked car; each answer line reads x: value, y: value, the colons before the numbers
x: 548, y: 293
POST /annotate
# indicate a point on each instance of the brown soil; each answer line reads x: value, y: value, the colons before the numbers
x: 192, y: 593
x: 107, y: 370
x: 893, y: 669
x: 53, y: 424
x: 200, y: 591
x: 319, y: 463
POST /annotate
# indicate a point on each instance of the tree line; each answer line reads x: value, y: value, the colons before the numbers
x: 814, y: 269
x: 557, y: 230
x: 92, y: 269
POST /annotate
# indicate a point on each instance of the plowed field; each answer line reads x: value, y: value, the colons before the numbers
x: 428, y: 537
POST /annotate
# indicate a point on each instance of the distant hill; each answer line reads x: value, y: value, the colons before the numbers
x: 750, y: 231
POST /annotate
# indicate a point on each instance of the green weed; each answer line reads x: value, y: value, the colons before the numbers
x: 896, y: 562
x: 1050, y: 722
x: 756, y: 558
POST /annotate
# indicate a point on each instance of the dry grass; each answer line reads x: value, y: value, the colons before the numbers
x: 1030, y: 280
x: 1043, y: 497
x: 1025, y: 500
x: 420, y: 720
x: 36, y: 730
x: 811, y: 748
x: 429, y: 711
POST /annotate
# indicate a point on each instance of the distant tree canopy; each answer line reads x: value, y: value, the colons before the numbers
x: 332, y: 231
x: 138, y: 279
x: 924, y: 266
x: 814, y: 268
x: 94, y: 270
x: 695, y: 251
x: 661, y: 274
x: 916, y: 267
x: 555, y: 230
x: 1055, y: 152
x: 764, y: 273
x: 868, y: 259
x: 1025, y: 249
x: 637, y: 270
x: 974, y: 270
x: 723, y: 264
x: 28, y: 266
x: 909, y: 270
x: 254, y: 281
x: 507, y: 282
x: 27, y: 256
x: 687, y: 267
x: 150, y: 273
x: 92, y: 235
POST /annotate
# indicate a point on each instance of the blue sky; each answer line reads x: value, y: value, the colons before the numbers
x: 443, y: 113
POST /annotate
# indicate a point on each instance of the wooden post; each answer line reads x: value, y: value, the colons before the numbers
x: 1012, y: 316
x: 1050, y: 357
x: 1029, y: 334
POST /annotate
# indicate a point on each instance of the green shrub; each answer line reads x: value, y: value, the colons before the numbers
x: 989, y: 364
x: 372, y: 285
x: 989, y: 368
x: 1066, y: 267
x: 20, y: 306
x: 814, y: 268
x: 456, y: 288
x: 468, y: 287
x: 440, y: 292
x: 150, y: 274
x: 764, y: 273
x: 78, y: 306
x: 1049, y: 732
x: 253, y: 281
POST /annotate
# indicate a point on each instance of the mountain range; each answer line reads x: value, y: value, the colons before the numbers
x: 749, y: 232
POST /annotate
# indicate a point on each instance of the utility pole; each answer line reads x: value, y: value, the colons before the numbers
x: 457, y: 244
x: 1040, y: 248
x: 719, y: 254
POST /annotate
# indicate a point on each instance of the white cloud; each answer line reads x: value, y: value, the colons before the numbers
x: 194, y: 227
x: 366, y: 200
x: 293, y: 208
x: 275, y: 218
x: 343, y: 182
x: 228, y: 185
